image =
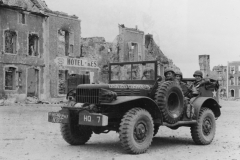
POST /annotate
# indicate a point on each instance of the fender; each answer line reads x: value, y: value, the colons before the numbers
x: 145, y: 102
x: 208, y: 103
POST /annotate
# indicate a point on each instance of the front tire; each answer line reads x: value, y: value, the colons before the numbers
x: 75, y: 134
x: 136, y: 131
x: 204, y: 131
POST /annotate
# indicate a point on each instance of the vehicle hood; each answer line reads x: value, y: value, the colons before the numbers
x: 115, y: 86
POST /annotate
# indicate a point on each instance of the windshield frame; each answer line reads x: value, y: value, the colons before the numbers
x: 133, y: 81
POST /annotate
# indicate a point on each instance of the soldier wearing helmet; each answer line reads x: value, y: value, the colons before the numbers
x: 198, y: 75
x: 169, y: 74
x: 146, y: 74
x: 179, y: 76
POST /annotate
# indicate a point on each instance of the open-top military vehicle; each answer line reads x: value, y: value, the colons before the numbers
x: 135, y: 103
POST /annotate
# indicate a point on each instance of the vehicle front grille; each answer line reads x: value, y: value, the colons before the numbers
x: 88, y: 96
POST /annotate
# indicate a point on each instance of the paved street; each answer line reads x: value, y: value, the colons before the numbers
x: 26, y: 134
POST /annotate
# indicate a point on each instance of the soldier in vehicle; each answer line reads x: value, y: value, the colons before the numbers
x: 198, y: 75
x: 169, y: 74
x: 146, y: 74
x: 178, y: 75
x: 183, y: 85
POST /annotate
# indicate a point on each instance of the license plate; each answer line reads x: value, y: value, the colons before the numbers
x: 58, y: 117
x: 92, y: 119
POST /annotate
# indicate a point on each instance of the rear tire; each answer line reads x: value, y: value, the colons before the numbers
x: 75, y: 134
x: 136, y: 131
x: 204, y: 131
x: 169, y: 98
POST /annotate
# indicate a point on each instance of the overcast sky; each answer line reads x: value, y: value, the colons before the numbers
x: 183, y: 29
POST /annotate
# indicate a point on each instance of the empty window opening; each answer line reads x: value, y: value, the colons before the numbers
x: 62, y: 81
x: 22, y: 18
x: 63, y: 37
x: 10, y: 41
x: 133, y: 51
x: 10, y: 78
x: 232, y: 93
x: 33, y: 82
x: 71, y: 48
x: 33, y: 45
x: 232, y: 69
x: 232, y: 81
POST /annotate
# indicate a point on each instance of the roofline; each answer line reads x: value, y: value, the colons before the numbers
x: 21, y: 9
x: 234, y: 62
x: 62, y: 16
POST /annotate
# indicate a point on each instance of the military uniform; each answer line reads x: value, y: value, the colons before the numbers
x: 181, y: 83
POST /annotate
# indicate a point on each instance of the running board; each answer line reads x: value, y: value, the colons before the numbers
x: 180, y: 123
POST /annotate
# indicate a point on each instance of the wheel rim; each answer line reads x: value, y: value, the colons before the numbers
x: 173, y: 104
x: 207, y: 126
x: 140, y: 131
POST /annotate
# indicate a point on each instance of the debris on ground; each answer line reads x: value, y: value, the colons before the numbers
x: 31, y: 100
x: 1, y: 102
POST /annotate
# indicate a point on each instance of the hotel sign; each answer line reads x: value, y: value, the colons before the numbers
x: 75, y: 62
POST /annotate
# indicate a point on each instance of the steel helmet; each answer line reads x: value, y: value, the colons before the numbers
x: 169, y: 70
x: 179, y: 73
x: 198, y: 73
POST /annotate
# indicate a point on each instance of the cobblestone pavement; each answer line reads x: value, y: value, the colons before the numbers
x: 26, y: 134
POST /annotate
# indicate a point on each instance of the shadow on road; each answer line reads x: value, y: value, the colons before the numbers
x: 116, y: 148
x: 159, y: 142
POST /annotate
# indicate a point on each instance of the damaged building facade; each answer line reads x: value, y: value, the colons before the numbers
x: 22, y: 49
x: 66, y: 60
x: 130, y: 45
x: 233, y: 79
x: 40, y: 51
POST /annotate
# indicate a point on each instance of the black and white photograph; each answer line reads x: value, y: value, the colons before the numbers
x: 119, y: 80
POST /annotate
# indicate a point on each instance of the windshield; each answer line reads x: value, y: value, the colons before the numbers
x: 144, y: 71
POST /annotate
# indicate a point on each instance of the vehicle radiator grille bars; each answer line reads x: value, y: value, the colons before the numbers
x: 88, y: 96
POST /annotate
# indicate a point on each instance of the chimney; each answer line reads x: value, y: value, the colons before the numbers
x: 204, y: 63
x: 136, y: 27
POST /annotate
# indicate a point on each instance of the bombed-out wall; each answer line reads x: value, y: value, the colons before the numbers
x: 22, y: 49
x: 66, y: 59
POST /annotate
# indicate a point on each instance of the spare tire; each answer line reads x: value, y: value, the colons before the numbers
x: 169, y: 98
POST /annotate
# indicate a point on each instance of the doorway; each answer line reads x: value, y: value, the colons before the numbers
x: 33, y: 82
x: 232, y: 93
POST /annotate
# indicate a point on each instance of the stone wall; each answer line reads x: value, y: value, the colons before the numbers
x: 21, y: 60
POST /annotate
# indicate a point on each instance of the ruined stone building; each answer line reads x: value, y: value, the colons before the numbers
x: 227, y: 76
x: 221, y: 72
x: 204, y: 63
x: 23, y: 49
x: 130, y: 45
x: 233, y: 79
x: 40, y: 50
x: 153, y: 52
